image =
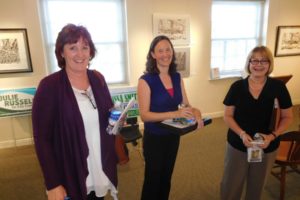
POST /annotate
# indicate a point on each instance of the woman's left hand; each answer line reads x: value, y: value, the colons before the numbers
x: 200, y: 123
x: 267, y: 140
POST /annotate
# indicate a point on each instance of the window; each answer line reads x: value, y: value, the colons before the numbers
x: 237, y: 27
x: 104, y: 19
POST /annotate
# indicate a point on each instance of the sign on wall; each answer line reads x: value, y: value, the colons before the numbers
x: 16, y: 101
x: 124, y: 95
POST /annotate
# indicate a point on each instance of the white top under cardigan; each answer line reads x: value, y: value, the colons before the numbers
x: 96, y: 180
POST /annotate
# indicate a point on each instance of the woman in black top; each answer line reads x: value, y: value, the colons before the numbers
x: 249, y: 105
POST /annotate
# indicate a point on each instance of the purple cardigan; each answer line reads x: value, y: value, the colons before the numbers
x: 59, y: 133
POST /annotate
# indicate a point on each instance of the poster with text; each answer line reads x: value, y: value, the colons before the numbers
x: 16, y: 101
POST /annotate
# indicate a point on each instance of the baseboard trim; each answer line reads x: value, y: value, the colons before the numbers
x: 213, y: 114
x: 16, y: 143
x: 296, y: 102
x: 7, y: 144
x: 25, y: 141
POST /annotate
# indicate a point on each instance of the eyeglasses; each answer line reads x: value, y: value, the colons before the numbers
x: 90, y: 98
x: 262, y: 62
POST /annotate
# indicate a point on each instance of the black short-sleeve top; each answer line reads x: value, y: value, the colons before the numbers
x: 254, y: 115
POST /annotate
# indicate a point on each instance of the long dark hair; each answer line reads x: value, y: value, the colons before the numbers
x: 70, y: 34
x: 151, y: 65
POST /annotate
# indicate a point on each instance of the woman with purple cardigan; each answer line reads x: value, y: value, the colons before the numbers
x: 70, y: 115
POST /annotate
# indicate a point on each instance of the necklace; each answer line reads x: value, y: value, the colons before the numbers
x: 255, y: 87
x: 254, y: 84
x: 258, y: 81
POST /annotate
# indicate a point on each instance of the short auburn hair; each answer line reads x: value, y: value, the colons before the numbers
x: 70, y: 34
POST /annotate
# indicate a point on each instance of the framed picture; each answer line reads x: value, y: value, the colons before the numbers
x: 287, y: 41
x: 176, y: 27
x: 14, y: 51
x: 182, y: 55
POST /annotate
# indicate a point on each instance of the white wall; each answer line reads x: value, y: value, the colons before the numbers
x: 285, y: 13
x: 21, y: 14
x: 202, y: 92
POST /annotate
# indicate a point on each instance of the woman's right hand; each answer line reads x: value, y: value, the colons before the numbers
x: 57, y: 193
x: 246, y: 139
x: 186, y: 112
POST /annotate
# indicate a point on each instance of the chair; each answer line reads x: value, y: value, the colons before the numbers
x: 288, y: 156
x: 131, y: 134
x: 283, y: 78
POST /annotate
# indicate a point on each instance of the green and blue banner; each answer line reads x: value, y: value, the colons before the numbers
x: 124, y: 95
x: 16, y: 101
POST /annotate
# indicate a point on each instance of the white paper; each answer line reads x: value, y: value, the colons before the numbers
x: 254, y: 154
x: 170, y: 122
x: 119, y: 124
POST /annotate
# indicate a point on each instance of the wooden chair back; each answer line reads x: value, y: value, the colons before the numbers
x: 289, y: 149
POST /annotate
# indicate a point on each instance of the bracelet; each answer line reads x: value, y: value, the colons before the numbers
x: 241, y: 134
x: 275, y: 136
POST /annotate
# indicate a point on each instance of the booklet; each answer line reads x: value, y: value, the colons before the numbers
x: 119, y: 124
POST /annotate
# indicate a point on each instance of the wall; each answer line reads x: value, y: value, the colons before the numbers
x: 203, y: 93
x: 282, y: 12
x: 21, y: 14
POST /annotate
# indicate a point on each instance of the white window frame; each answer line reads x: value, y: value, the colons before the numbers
x: 108, y: 46
x: 225, y: 67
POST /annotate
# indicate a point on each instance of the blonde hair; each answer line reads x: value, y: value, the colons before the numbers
x: 265, y: 51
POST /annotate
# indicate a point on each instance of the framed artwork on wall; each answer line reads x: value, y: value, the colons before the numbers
x: 182, y: 55
x: 176, y: 27
x: 287, y: 41
x: 14, y: 51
